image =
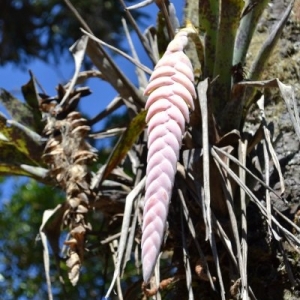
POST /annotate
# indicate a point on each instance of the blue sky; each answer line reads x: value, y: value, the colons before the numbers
x: 49, y: 76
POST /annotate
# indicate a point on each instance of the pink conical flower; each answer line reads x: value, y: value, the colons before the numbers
x: 171, y: 91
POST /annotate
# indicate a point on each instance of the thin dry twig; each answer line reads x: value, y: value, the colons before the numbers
x: 102, y: 134
x: 85, y: 75
x: 186, y: 261
x: 140, y: 4
x: 244, y: 244
x: 115, y: 104
x: 109, y: 69
x: 193, y: 234
x: 124, y: 232
x: 203, y: 86
x: 140, y: 35
x: 288, y: 235
x: 143, y: 81
x: 226, y: 186
x: 115, y: 259
x: 78, y: 16
x: 236, y: 161
x: 132, y: 60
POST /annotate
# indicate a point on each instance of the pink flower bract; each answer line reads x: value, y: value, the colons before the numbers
x: 171, y: 92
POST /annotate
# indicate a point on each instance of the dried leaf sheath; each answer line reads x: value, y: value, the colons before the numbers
x: 171, y: 92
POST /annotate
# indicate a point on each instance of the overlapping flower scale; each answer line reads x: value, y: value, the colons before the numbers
x: 171, y: 92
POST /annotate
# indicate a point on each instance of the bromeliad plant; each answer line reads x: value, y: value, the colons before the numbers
x: 213, y: 163
x: 184, y: 207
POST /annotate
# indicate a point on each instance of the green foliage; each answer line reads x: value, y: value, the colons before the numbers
x: 21, y: 259
x: 46, y: 28
x: 125, y: 143
x: 20, y: 142
x: 21, y: 256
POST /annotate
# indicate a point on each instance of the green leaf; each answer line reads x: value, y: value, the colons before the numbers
x: 125, y: 143
x: 30, y: 94
x: 14, y: 162
x: 37, y: 173
x: 11, y: 155
x: 250, y: 17
x: 22, y: 139
x: 209, y: 22
x: 10, y: 169
x: 18, y: 110
x: 229, y: 22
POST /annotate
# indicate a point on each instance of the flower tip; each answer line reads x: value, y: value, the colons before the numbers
x: 190, y: 27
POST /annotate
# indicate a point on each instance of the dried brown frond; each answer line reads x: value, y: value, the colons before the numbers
x: 67, y: 153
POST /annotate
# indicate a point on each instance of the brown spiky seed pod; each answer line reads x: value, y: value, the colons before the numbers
x: 67, y: 154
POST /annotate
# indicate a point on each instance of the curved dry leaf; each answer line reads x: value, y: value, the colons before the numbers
x: 125, y: 143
